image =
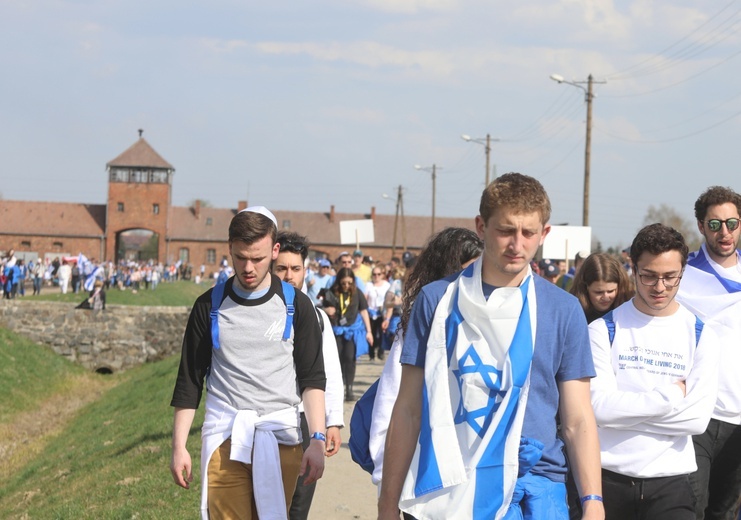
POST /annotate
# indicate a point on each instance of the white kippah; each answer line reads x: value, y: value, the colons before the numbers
x: 262, y: 210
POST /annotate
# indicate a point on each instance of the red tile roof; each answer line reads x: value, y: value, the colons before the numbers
x: 71, y: 219
x: 140, y: 154
x: 52, y: 218
x: 316, y: 226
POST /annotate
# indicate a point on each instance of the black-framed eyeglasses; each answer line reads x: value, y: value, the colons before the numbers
x: 650, y: 280
x: 715, y: 224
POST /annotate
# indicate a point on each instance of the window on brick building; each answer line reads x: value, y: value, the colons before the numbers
x: 57, y: 245
x: 286, y: 224
x: 210, y: 256
x: 120, y: 207
x: 209, y: 221
x: 156, y: 209
x: 184, y: 255
x: 25, y: 243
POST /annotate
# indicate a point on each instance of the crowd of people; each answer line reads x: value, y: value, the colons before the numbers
x: 78, y: 274
x: 511, y: 388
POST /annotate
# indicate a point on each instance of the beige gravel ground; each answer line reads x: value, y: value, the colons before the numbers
x: 346, y: 492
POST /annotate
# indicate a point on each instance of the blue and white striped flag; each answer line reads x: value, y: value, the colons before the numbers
x: 96, y: 273
x: 477, y: 376
x: 82, y: 262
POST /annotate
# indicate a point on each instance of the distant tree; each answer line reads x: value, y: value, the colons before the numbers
x: 204, y: 203
x: 669, y: 217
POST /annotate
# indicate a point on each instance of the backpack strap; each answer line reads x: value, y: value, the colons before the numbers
x: 610, y: 322
x: 698, y: 329
x: 290, y: 293
x: 217, y: 296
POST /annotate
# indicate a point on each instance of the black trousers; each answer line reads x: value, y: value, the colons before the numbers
x: 661, y: 498
x: 376, y: 350
x: 717, y: 481
x: 346, y: 350
x: 303, y: 495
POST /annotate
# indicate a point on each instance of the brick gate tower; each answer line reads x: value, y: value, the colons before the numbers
x: 139, y: 196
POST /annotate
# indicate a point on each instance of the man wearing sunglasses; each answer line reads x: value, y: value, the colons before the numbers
x: 711, y: 288
x: 656, y: 385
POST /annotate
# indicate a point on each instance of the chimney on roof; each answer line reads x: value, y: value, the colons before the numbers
x: 242, y: 204
x: 197, y: 208
x: 373, y: 213
x: 331, y: 213
x: 140, y: 133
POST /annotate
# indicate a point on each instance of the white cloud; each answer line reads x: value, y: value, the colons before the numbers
x: 410, y: 6
x: 578, y: 19
x: 367, y: 53
x: 356, y: 115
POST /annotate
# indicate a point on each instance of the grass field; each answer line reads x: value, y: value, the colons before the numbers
x: 108, y: 459
x: 173, y: 294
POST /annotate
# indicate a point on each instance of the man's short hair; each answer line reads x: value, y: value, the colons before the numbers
x: 291, y: 242
x: 713, y: 196
x: 656, y: 239
x: 249, y: 227
x: 518, y: 193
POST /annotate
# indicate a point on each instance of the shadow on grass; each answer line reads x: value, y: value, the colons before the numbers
x: 152, y: 438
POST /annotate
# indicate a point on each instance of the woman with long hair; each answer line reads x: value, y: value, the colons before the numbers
x: 445, y: 254
x: 347, y: 309
x: 601, y: 284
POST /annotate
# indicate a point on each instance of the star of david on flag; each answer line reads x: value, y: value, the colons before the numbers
x: 470, y: 368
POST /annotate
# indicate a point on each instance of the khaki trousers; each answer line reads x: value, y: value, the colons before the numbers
x: 230, y: 495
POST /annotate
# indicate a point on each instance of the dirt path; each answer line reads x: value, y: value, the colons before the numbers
x: 346, y: 491
x: 26, y: 434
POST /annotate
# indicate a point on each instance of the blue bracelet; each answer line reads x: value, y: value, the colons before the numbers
x: 590, y: 497
x: 320, y: 436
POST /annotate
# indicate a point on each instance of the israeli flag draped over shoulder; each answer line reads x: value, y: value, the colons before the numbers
x: 465, y: 465
x: 703, y: 288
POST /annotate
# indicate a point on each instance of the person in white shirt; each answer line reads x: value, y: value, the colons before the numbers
x: 656, y: 384
x: 290, y: 266
x: 711, y: 288
x: 375, y: 293
x: 64, y: 273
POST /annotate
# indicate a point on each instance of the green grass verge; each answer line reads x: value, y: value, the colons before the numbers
x: 170, y: 294
x: 30, y: 374
x: 112, y: 460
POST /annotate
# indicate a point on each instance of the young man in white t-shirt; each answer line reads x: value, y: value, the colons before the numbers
x: 711, y: 288
x: 656, y: 385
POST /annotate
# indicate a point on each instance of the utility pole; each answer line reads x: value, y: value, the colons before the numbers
x: 487, y: 149
x: 403, y: 222
x: 434, y: 176
x: 396, y: 221
x: 589, y: 97
x: 432, y: 169
x: 486, y: 142
x: 587, y: 152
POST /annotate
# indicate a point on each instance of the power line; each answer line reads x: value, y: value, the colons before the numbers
x: 617, y: 75
x: 678, y: 138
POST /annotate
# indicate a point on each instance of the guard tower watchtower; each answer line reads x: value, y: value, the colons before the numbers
x: 139, y: 200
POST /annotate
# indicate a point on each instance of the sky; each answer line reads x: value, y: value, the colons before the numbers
x: 303, y: 105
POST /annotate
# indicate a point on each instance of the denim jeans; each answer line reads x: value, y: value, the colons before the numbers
x: 661, y: 498
x: 717, y: 481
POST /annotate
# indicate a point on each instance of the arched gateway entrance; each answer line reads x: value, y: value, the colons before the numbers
x: 138, y: 245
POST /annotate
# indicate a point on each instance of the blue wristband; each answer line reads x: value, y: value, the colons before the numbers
x: 590, y: 497
x: 319, y: 435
